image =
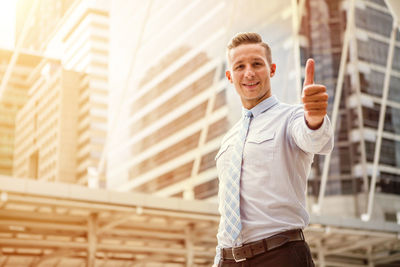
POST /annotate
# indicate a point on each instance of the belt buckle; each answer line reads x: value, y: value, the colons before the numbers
x: 234, y: 256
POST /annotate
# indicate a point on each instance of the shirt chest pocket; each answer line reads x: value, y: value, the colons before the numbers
x: 260, y: 148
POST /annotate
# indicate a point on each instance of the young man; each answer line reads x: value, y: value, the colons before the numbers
x: 264, y: 161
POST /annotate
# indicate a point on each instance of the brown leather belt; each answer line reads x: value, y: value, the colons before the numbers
x: 252, y: 249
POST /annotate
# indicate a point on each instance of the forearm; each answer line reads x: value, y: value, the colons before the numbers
x: 318, y: 141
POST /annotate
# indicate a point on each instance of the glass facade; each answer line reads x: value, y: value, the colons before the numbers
x: 373, y: 24
x: 179, y: 103
x: 147, y: 155
x: 374, y: 20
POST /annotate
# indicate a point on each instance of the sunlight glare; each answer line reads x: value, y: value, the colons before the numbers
x: 7, y: 23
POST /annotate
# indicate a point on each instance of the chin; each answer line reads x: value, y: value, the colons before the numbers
x: 254, y: 97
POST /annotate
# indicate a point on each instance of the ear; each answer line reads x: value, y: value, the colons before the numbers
x: 228, y: 76
x: 272, y: 70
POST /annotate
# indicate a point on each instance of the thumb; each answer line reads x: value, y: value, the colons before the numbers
x: 309, y: 76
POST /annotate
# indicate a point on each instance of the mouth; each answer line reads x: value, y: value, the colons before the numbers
x: 250, y: 85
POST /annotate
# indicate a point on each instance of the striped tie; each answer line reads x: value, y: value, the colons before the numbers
x: 231, y: 206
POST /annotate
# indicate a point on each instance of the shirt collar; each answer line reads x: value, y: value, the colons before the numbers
x: 262, y: 106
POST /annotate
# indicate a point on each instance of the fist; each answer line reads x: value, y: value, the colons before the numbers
x: 314, y: 97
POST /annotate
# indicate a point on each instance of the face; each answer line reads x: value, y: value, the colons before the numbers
x: 250, y: 73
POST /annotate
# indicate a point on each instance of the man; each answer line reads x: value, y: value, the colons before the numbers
x: 264, y: 161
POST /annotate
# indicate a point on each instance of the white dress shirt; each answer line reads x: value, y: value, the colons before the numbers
x: 277, y: 157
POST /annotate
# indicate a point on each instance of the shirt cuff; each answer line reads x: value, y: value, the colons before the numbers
x: 322, y: 130
x: 217, y: 256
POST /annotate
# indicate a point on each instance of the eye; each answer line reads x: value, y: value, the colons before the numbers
x: 238, y: 67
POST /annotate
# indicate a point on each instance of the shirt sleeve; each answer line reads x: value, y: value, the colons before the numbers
x: 319, y: 141
x: 217, y: 255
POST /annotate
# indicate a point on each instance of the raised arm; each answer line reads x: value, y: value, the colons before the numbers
x: 310, y: 126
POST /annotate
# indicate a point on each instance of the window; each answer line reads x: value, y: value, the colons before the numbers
x: 374, y: 20
x: 373, y: 51
x: 34, y: 165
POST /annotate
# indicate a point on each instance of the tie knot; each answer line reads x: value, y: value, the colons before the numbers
x: 247, y: 113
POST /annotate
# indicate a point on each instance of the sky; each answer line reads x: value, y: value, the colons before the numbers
x: 7, y: 23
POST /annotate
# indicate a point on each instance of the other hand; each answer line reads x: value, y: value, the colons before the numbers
x: 314, y: 97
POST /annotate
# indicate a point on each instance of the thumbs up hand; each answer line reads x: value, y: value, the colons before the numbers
x: 314, y: 97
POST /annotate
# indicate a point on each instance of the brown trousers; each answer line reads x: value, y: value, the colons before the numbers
x: 291, y: 254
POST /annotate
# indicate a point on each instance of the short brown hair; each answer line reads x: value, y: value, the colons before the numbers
x: 249, y: 38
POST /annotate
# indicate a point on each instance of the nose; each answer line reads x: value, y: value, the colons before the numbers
x: 249, y: 73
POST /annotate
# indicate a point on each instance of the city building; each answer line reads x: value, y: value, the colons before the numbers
x: 172, y: 105
x: 13, y: 96
x: 164, y: 145
x: 46, y: 126
x: 157, y: 147
x: 84, y: 35
x: 76, y: 33
x: 363, y: 29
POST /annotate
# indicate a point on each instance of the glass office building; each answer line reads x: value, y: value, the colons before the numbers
x: 171, y: 103
x: 75, y: 33
x: 176, y: 103
x: 351, y: 165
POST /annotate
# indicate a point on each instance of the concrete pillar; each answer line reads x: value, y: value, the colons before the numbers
x: 92, y: 240
x: 189, y: 245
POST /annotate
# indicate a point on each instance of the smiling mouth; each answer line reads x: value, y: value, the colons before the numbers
x: 250, y: 85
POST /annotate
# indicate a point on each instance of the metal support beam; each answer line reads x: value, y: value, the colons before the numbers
x: 340, y: 264
x: 297, y: 14
x: 386, y: 260
x: 369, y: 257
x: 114, y: 223
x: 4, y: 262
x: 338, y: 94
x: 105, y: 260
x: 356, y: 81
x: 57, y: 262
x: 394, y: 8
x: 355, y: 245
x: 56, y: 254
x: 385, y: 93
x: 159, y: 238
x: 92, y: 240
